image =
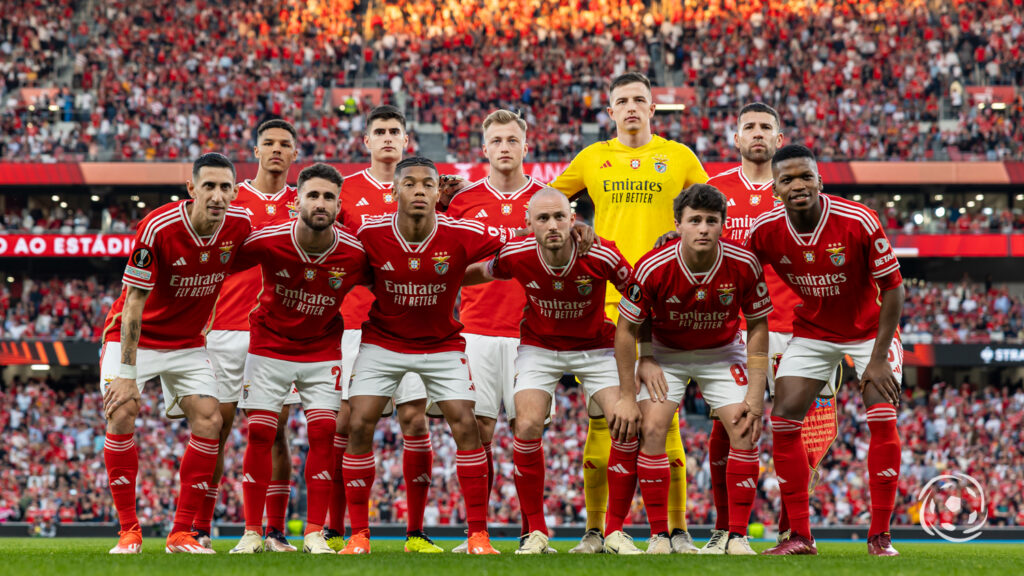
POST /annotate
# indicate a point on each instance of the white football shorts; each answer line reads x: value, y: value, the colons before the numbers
x: 380, y: 372
x: 182, y: 373
x: 721, y: 373
x: 817, y: 359
x: 269, y: 383
x: 492, y: 365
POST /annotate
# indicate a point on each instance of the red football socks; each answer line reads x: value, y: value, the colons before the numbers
x: 196, y: 474
x: 337, y: 505
x: 655, y: 476
x: 883, y: 465
x: 621, y: 483
x: 471, y: 468
x: 528, y: 472
x: 359, y: 473
x: 121, y: 458
x: 257, y: 466
x: 741, y: 473
x: 417, y: 465
x: 791, y: 469
x: 320, y: 424
x: 718, y: 454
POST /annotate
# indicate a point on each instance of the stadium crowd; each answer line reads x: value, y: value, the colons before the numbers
x: 52, y: 464
x: 166, y: 80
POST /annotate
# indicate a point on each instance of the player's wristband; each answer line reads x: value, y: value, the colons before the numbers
x: 128, y: 372
x: 646, y: 349
x: 757, y: 362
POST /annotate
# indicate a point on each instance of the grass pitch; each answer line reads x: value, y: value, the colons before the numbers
x: 88, y: 557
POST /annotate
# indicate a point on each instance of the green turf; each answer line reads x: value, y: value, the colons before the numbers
x: 88, y: 557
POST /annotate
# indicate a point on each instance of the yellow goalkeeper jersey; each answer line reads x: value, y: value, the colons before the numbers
x: 632, y: 190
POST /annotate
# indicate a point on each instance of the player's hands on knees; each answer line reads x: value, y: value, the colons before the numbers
x: 879, y: 374
x: 584, y: 236
x: 449, y: 186
x: 624, y: 421
x: 118, y: 393
x: 666, y: 238
x: 749, y: 420
x: 650, y: 374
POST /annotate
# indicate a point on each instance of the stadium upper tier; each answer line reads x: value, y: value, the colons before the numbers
x: 158, y: 79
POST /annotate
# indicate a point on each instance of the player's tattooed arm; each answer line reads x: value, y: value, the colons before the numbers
x: 131, y: 323
x: 878, y: 372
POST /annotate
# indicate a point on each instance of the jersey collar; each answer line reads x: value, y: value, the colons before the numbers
x: 248, y: 185
x: 816, y: 235
x: 374, y: 182
x: 750, y: 185
x: 302, y: 253
x: 405, y: 245
x: 187, y: 221
x: 508, y: 195
x: 551, y: 271
x: 704, y: 278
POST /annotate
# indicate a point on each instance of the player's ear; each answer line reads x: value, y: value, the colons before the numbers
x: 234, y: 193
x: 191, y: 187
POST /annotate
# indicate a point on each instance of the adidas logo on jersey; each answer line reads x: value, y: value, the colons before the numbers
x: 325, y: 475
x: 888, y: 473
x: 533, y: 285
x: 180, y: 262
x: 283, y: 274
x: 388, y: 267
x: 481, y: 214
x: 363, y: 202
x: 618, y: 469
x: 784, y: 260
x: 731, y: 202
x: 607, y: 164
x: 672, y: 300
x: 748, y: 483
x: 121, y: 481
x: 357, y: 483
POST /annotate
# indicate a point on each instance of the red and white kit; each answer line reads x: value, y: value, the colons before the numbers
x: 296, y: 329
x: 228, y: 339
x: 491, y: 312
x: 411, y: 326
x: 565, y: 329
x: 695, y: 318
x: 184, y: 274
x: 839, y: 271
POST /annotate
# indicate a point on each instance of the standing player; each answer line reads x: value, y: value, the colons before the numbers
x: 491, y: 312
x: 419, y: 259
x: 834, y: 254
x: 268, y: 200
x: 366, y: 194
x: 564, y: 330
x: 692, y: 292
x: 307, y: 266
x: 632, y: 180
x: 182, y: 254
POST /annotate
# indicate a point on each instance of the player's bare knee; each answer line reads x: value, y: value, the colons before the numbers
x: 529, y: 427
x: 122, y: 421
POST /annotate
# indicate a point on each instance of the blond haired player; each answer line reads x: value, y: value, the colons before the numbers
x: 632, y: 180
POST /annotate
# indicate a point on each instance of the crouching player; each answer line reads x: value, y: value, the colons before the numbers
x: 308, y: 264
x: 564, y: 330
x: 690, y: 294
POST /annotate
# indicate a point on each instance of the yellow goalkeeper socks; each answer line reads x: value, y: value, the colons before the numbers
x: 595, y: 472
x: 677, y: 465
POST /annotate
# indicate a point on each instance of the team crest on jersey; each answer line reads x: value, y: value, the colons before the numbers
x: 414, y: 263
x: 755, y: 199
x: 293, y: 210
x: 336, y: 277
x: 836, y: 254
x: 271, y: 209
x: 702, y: 294
x: 809, y: 256
x: 558, y: 285
x: 389, y: 197
x: 660, y: 163
x: 309, y: 274
x: 776, y: 202
x: 506, y: 209
x: 225, y: 253
x: 441, y: 264
x: 583, y: 286
x: 634, y: 163
x: 204, y: 257
x: 726, y: 293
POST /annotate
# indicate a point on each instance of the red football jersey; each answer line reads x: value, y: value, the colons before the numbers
x: 565, y: 306
x: 183, y: 273
x: 298, y: 317
x: 838, y: 270
x: 362, y: 197
x: 747, y: 201
x: 415, y: 285
x: 494, y: 308
x: 695, y: 311
x: 240, y: 291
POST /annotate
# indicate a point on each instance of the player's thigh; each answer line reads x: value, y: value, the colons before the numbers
x: 110, y: 365
x: 537, y: 371
x: 228, y: 350
x: 377, y: 372
x: 268, y: 382
x: 184, y: 373
x: 598, y: 373
x: 445, y: 376
x: 319, y: 385
x: 677, y: 369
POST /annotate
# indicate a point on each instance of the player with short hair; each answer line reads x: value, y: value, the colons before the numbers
x: 268, y: 199
x: 183, y: 251
x: 564, y: 330
x: 366, y: 194
x: 632, y: 180
x: 692, y: 293
x: 834, y: 254
x: 490, y: 313
x: 307, y: 265
x: 419, y: 259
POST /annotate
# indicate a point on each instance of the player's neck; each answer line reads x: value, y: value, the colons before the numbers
x: 558, y: 258
x: 270, y: 183
x: 507, y: 182
x: 756, y: 173
x: 636, y: 139
x: 198, y: 220
x: 313, y: 241
x: 415, y: 229
x: 805, y: 221
x: 698, y: 262
x: 383, y: 172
